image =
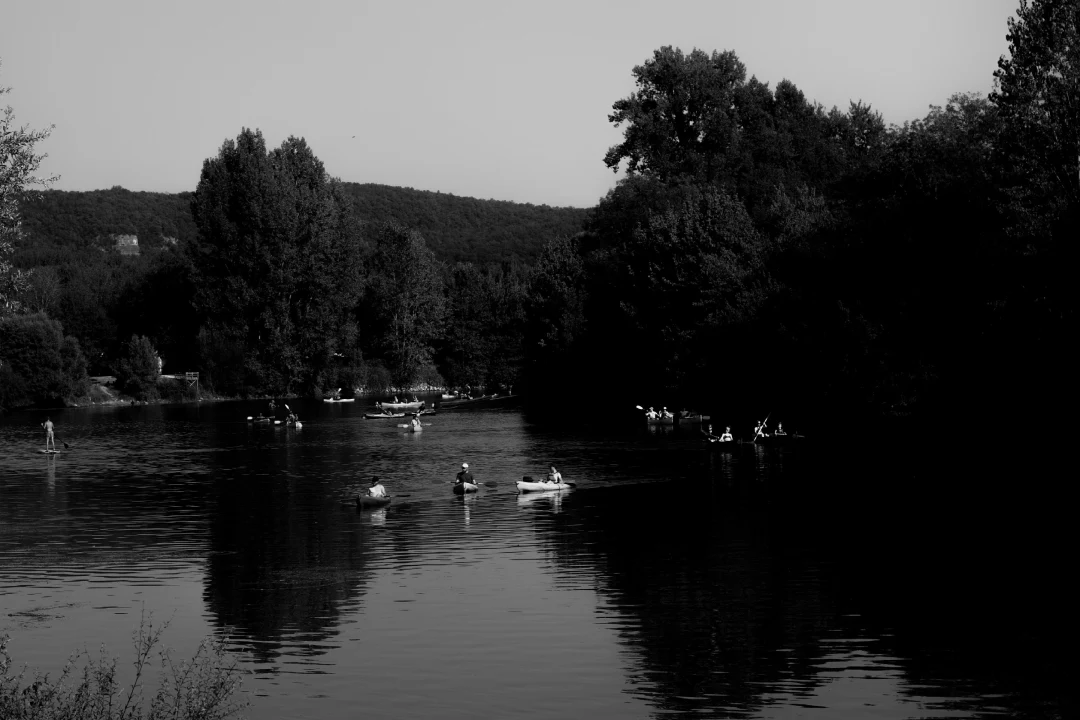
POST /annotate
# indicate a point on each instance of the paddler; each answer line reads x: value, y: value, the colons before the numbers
x: 554, y: 476
x: 652, y: 414
x: 726, y: 435
x: 416, y: 420
x: 707, y: 432
x: 464, y: 476
x: 50, y: 439
x: 759, y: 429
x: 376, y: 490
x: 779, y: 429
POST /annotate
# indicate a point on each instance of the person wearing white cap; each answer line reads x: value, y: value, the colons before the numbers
x: 464, y: 476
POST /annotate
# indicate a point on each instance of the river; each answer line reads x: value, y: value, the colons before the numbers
x: 675, y: 581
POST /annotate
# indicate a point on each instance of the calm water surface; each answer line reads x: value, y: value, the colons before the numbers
x: 674, y: 581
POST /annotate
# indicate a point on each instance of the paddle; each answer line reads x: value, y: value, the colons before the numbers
x: 761, y: 429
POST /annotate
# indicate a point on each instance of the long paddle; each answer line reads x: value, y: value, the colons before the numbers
x: 761, y: 429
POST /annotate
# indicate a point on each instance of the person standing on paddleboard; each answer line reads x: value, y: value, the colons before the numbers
x: 49, y: 439
x: 464, y: 476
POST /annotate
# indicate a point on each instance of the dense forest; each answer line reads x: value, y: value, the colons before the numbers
x: 761, y: 251
x: 454, y: 228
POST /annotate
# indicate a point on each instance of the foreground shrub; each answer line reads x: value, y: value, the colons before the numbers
x: 206, y: 687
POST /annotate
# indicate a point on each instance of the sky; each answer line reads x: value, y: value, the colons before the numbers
x: 503, y: 99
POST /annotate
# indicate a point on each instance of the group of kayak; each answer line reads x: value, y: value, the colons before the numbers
x: 464, y: 483
x: 759, y: 433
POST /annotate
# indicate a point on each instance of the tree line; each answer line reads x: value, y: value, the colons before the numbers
x: 761, y: 250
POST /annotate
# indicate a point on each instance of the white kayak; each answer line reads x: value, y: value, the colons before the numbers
x: 462, y: 488
x: 524, y: 486
x: 338, y: 400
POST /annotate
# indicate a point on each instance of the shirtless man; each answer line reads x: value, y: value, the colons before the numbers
x: 49, y: 439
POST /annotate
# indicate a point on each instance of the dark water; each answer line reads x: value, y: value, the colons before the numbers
x: 674, y: 581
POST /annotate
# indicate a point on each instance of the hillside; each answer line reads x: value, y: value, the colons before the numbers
x: 455, y: 228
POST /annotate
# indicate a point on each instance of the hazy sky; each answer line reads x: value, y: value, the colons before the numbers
x: 505, y: 100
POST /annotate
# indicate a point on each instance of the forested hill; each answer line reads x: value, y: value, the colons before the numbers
x: 455, y: 228
x: 464, y: 228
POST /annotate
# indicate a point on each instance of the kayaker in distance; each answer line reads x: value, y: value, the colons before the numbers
x: 464, y: 476
x: 652, y: 414
x: 666, y: 414
x: 416, y: 420
x: 554, y: 475
x: 49, y: 438
x: 376, y: 490
x: 759, y: 429
x: 707, y: 432
x: 726, y: 435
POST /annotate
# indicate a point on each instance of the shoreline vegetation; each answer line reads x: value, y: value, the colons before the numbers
x: 208, y: 686
x: 761, y: 252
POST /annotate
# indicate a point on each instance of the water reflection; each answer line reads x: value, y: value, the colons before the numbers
x: 678, y: 578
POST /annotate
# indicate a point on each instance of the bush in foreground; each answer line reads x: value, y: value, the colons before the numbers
x: 206, y: 687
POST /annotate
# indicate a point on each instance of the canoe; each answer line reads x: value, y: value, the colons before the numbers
x: 366, y: 501
x: 482, y: 401
x: 338, y: 400
x: 400, y: 406
x: 462, y: 488
x: 524, y: 486
x: 381, y: 416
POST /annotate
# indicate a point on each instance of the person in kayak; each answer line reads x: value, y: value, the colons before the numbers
x: 779, y: 429
x: 707, y: 432
x: 666, y: 414
x: 652, y: 414
x: 376, y: 490
x: 759, y: 429
x: 554, y: 476
x: 416, y: 420
x: 726, y: 435
x: 464, y: 476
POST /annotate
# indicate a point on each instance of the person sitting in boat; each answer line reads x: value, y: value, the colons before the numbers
x: 273, y: 407
x: 464, y: 476
x: 376, y: 490
x: 779, y: 429
x: 666, y: 414
x: 759, y: 429
x: 652, y: 414
x: 292, y: 418
x: 707, y: 432
x: 726, y: 435
x: 554, y: 476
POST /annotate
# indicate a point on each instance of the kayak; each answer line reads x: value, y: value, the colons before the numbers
x: 525, y: 486
x: 462, y: 488
x: 416, y: 428
x: 366, y: 501
x: 338, y: 400
x: 380, y: 416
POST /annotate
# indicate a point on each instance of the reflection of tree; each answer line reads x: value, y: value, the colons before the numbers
x: 283, y: 562
x: 747, y: 587
x: 706, y: 597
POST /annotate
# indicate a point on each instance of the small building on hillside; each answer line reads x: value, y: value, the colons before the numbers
x: 126, y: 244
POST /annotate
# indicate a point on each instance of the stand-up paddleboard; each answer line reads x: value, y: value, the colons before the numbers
x: 49, y: 452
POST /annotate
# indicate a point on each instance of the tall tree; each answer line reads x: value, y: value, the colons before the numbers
x: 276, y: 262
x: 682, y: 120
x: 18, y: 163
x: 1038, y: 91
x: 404, y: 306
